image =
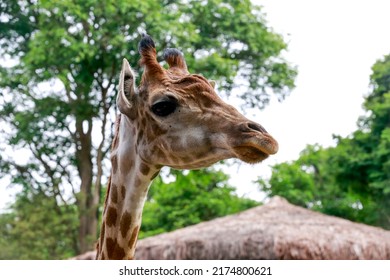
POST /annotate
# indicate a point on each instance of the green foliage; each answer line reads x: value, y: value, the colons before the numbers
x: 38, y: 228
x: 352, y: 179
x: 201, y: 195
x: 290, y: 181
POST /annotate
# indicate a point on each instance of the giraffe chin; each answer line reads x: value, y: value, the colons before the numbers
x: 250, y: 154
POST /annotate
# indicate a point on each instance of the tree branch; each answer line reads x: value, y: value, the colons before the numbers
x: 49, y: 172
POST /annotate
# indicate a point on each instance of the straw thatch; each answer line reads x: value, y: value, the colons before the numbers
x: 276, y: 230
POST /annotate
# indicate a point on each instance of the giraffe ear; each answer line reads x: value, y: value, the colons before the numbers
x: 127, y: 98
x: 212, y: 83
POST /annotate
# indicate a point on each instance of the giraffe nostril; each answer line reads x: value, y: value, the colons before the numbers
x: 257, y: 127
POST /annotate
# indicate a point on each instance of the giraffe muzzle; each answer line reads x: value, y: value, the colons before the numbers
x: 256, y: 144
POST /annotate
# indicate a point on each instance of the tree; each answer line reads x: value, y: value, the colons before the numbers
x: 59, y: 85
x: 200, y: 195
x: 37, y: 228
x: 352, y: 179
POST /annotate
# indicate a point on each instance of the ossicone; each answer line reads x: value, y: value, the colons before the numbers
x: 146, y: 44
x: 175, y: 59
x: 147, y: 49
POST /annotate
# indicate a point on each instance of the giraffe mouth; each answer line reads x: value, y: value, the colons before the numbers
x: 250, y: 154
x: 256, y: 151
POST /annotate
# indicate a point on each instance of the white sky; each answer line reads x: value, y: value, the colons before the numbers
x: 333, y: 44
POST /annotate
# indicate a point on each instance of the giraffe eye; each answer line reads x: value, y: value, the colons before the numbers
x: 164, y: 108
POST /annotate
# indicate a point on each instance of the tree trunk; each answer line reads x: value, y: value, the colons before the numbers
x: 90, y: 190
x: 86, y: 200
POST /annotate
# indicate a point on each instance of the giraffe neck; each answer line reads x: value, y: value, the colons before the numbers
x: 126, y: 194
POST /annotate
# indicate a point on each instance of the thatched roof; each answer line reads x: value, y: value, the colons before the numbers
x: 276, y: 230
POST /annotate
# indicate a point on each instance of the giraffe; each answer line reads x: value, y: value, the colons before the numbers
x: 173, y: 119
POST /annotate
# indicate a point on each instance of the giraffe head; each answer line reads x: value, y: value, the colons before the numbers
x: 180, y: 121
